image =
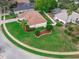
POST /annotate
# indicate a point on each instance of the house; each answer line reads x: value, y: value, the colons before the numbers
x: 63, y: 16
x: 22, y: 5
x: 76, y: 1
x: 34, y: 19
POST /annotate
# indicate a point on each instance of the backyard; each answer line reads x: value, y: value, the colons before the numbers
x: 57, y: 40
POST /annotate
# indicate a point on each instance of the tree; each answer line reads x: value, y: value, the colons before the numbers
x: 45, y: 5
x: 66, y: 4
x: 14, y: 5
x: 37, y: 32
x: 70, y: 28
x: 32, y: 1
x: 49, y: 27
x: 23, y: 23
x: 59, y: 23
x: 63, y: 3
x: 5, y: 4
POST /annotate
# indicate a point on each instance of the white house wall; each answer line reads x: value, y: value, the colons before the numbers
x: 38, y: 25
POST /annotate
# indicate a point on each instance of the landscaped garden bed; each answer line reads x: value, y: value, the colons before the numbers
x: 55, y: 41
x: 43, y: 32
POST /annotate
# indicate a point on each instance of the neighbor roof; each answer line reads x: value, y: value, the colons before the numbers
x: 23, y: 5
x: 63, y: 16
x: 33, y: 17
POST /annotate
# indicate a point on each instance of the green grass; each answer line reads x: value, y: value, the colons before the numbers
x: 9, y: 16
x: 59, y: 23
x: 56, y: 41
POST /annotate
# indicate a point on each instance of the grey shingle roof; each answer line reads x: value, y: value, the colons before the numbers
x: 23, y: 6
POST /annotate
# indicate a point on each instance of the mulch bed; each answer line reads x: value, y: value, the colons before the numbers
x: 43, y: 32
x: 25, y: 29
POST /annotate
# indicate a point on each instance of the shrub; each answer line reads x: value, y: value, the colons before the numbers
x: 67, y: 32
x: 2, y: 17
x: 32, y: 1
x: 10, y: 16
x: 31, y: 29
x: 13, y: 14
x: 59, y: 23
x: 74, y: 40
x: 77, y: 37
x: 49, y: 27
x: 70, y: 28
x: 37, y: 31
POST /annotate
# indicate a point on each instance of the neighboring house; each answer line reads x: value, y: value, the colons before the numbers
x: 23, y: 5
x: 34, y: 19
x: 77, y: 1
x: 63, y: 17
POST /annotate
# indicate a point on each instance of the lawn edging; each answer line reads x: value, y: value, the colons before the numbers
x: 35, y: 50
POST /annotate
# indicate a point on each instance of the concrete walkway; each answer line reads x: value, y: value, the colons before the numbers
x: 9, y: 20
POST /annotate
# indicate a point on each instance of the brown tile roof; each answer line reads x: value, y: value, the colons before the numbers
x: 33, y: 17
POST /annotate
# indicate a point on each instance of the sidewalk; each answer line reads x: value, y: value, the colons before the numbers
x: 8, y: 21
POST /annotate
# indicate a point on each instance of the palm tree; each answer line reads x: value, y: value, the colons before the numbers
x: 23, y: 23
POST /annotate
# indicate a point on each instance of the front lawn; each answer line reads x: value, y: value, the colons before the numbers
x: 55, y: 41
